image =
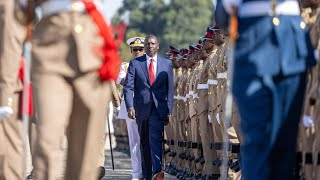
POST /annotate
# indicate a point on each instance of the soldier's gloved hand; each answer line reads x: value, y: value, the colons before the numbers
x: 209, y: 118
x: 5, y: 112
x: 218, y: 118
x: 230, y: 4
x: 308, y: 121
x: 131, y: 113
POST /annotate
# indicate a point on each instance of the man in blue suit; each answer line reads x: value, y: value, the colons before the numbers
x: 148, y: 93
x: 272, y: 54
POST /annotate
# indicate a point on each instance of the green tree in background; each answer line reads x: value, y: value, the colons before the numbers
x: 176, y: 22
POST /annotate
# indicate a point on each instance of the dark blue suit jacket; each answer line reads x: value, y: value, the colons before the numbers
x: 138, y: 90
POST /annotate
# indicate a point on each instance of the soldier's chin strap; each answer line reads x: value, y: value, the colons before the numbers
x: 233, y: 34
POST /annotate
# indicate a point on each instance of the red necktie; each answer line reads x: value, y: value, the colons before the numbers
x: 151, y: 71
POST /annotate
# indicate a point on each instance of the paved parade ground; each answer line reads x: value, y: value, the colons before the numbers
x: 122, y: 166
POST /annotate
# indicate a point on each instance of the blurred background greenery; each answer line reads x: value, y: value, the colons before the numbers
x: 174, y: 22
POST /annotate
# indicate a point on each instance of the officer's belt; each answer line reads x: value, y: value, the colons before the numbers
x: 308, y: 158
x: 202, y: 86
x: 53, y: 7
x: 222, y: 75
x: 263, y: 8
x: 234, y: 148
x: 175, y: 97
x: 212, y: 82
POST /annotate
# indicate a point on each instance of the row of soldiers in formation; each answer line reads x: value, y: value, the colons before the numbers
x: 195, y: 135
x: 194, y: 138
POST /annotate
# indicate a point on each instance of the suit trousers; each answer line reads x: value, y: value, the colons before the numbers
x: 78, y: 106
x: 151, y: 140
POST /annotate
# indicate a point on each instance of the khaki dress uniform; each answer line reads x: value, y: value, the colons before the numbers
x: 202, y: 112
x: 195, y: 134
x: 181, y: 118
x: 12, y: 34
x: 68, y: 92
x: 309, y: 132
x: 174, y: 142
x: 222, y: 90
x: 187, y: 122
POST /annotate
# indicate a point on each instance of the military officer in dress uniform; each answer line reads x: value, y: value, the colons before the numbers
x: 269, y: 82
x: 74, y: 57
x: 136, y: 45
x: 12, y: 34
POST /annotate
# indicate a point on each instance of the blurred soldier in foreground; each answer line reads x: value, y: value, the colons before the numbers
x: 269, y: 82
x: 74, y: 56
x: 12, y: 35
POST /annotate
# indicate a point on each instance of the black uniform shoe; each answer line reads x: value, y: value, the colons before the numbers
x: 102, y: 172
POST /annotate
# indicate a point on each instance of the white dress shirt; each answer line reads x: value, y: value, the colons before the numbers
x: 155, y: 59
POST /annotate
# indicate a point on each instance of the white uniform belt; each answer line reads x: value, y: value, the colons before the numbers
x: 202, y: 86
x: 222, y: 75
x: 187, y: 95
x: 53, y: 7
x: 175, y: 97
x: 195, y: 95
x: 184, y: 99
x: 212, y: 82
x: 263, y: 8
x: 190, y: 93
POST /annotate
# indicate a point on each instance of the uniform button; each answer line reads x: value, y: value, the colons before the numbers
x: 189, y: 102
x: 78, y: 28
x: 10, y: 101
x: 302, y: 25
x: 75, y: 6
x: 221, y: 86
x: 276, y: 21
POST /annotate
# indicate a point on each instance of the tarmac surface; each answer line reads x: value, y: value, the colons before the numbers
x: 122, y: 167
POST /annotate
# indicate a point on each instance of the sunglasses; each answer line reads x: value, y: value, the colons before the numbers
x: 138, y: 49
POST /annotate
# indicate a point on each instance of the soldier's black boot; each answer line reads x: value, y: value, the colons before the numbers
x: 31, y: 176
x: 102, y: 172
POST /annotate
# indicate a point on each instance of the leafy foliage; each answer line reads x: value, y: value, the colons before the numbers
x: 176, y: 22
